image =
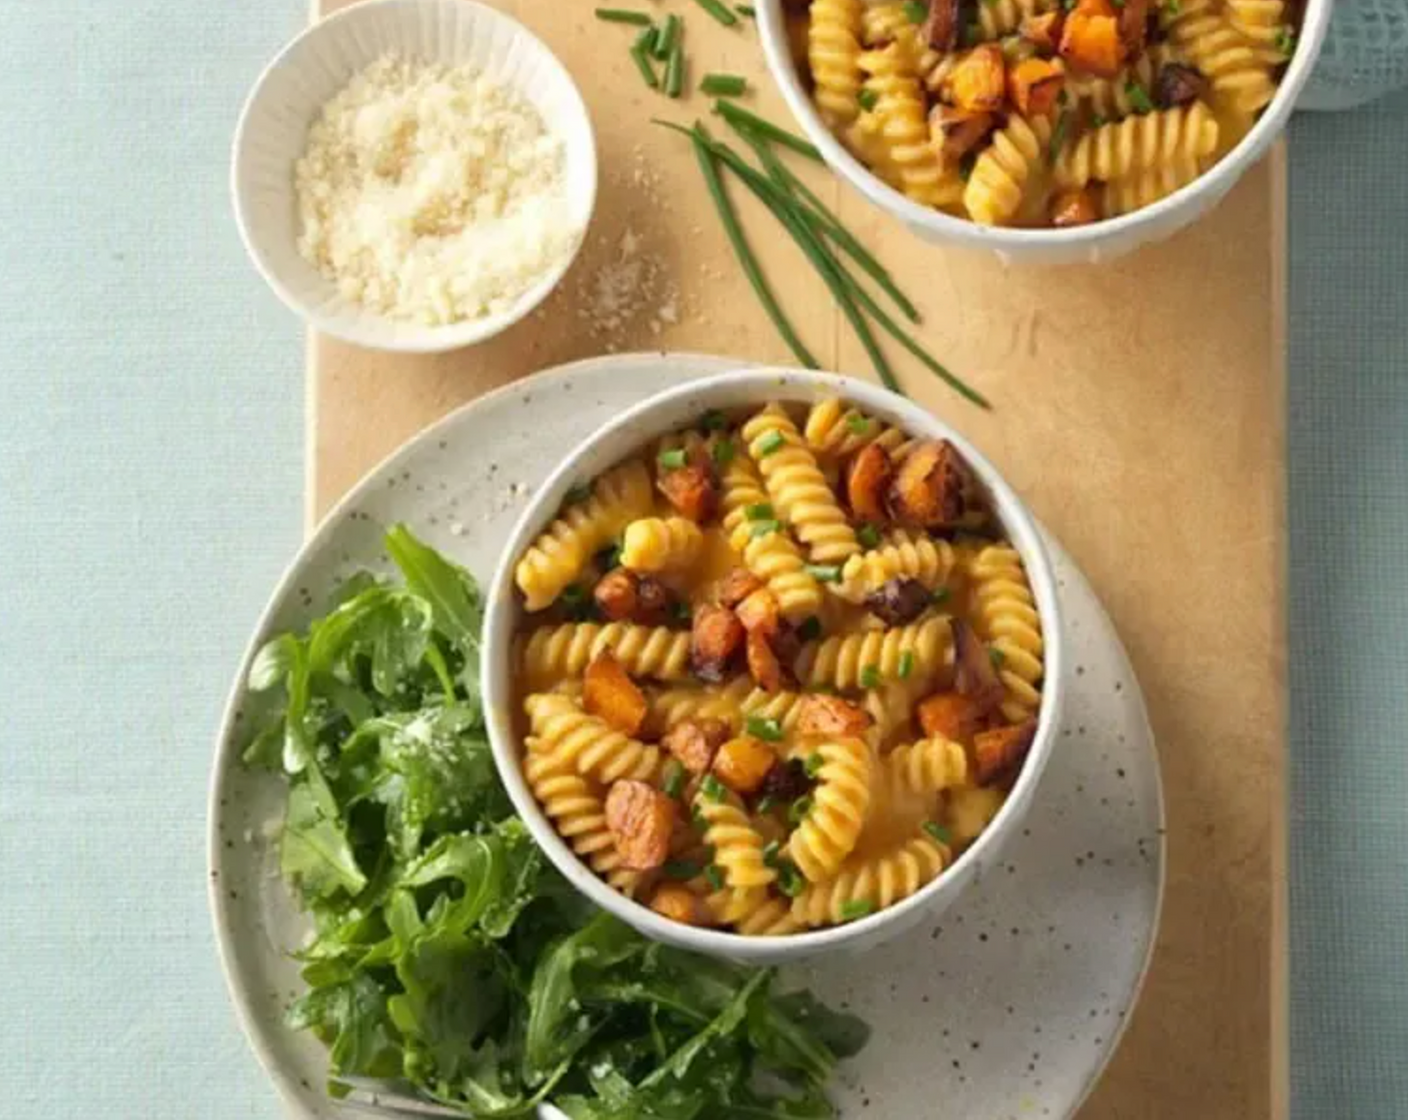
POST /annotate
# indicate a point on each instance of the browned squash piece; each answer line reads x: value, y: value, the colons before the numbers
x: 1034, y: 86
x: 609, y: 694
x: 1091, y: 41
x: 899, y: 601
x: 1134, y: 27
x: 640, y: 819
x: 1043, y: 30
x: 866, y: 479
x: 737, y: 586
x: 956, y: 132
x: 616, y: 595
x: 831, y: 716
x: 1178, y: 85
x: 950, y: 715
x: 759, y: 613
x: 974, y: 674
x: 717, y: 636
x: 931, y: 487
x: 763, y: 663
x: 692, y: 489
x: 1074, y: 208
x: 676, y: 902
x: 943, y: 24
x: 979, y: 81
x: 695, y: 742
x: 742, y: 764
x: 998, y: 754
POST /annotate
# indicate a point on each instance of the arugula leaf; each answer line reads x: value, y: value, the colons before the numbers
x: 314, y: 851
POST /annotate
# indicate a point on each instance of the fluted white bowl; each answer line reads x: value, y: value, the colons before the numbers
x: 273, y: 132
x: 1079, y: 244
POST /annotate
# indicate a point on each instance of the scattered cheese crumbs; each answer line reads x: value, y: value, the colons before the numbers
x: 432, y: 194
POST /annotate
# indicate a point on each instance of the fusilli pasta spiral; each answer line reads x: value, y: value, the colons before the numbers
x: 798, y: 488
x: 655, y: 544
x: 569, y: 736
x: 840, y: 803
x: 1261, y: 21
x: 781, y: 706
x: 902, y: 554
x: 754, y: 912
x: 1007, y: 619
x: 833, y: 52
x: 1175, y: 143
x: 998, y: 184
x: 643, y: 651
x: 892, y: 76
x: 970, y: 810
x: 1239, y: 72
x: 771, y: 556
x: 672, y: 706
x: 737, y: 845
x: 895, y: 654
x: 872, y: 883
x: 834, y: 428
x: 926, y: 768
x: 997, y: 18
x: 579, y: 816
x: 560, y: 553
x: 1112, y: 98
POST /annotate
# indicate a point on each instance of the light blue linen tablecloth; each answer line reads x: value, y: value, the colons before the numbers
x: 150, y: 477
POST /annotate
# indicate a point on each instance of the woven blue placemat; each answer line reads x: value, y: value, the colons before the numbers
x: 1348, y: 455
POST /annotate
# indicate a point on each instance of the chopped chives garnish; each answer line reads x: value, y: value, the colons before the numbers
x: 745, y: 10
x: 766, y: 805
x: 696, y: 814
x: 622, y: 15
x: 763, y: 528
x: 813, y: 764
x: 789, y: 879
x: 579, y: 493
x: 716, y: 9
x: 825, y: 573
x: 674, y: 71
x: 722, y: 452
x: 856, y: 908
x: 810, y: 630
x: 939, y: 595
x: 714, y: 873
x: 997, y: 657
x: 723, y: 85
x: 714, y: 182
x: 868, y: 99
x: 1138, y: 99
x: 673, y: 459
x: 713, y: 421
x: 641, y: 53
x: 906, y: 666
x: 666, y: 37
x: 1117, y: 3
x: 870, y: 677
x: 798, y: 810
x: 857, y: 423
x: 765, y: 728
x: 738, y: 116
x: 770, y: 442
x: 712, y: 788
x: 772, y: 852
x: 674, y: 778
x: 1172, y: 8
x: 1098, y: 120
x: 759, y: 511
x: 609, y: 557
x: 572, y: 594
x: 938, y: 832
x: 1285, y: 40
x: 916, y: 10
x: 682, y: 869
x: 681, y: 612
x: 868, y: 535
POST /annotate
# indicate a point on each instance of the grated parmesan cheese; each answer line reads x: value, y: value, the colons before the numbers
x: 432, y: 194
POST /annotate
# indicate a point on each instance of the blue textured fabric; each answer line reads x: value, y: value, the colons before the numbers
x: 150, y: 476
x: 150, y: 479
x: 1348, y: 450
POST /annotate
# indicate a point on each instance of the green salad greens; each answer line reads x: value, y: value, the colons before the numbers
x: 448, y: 953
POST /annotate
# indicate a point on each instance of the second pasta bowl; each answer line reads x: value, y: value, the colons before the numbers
x: 772, y: 665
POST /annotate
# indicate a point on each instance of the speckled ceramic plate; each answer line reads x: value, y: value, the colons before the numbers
x: 1008, y: 1008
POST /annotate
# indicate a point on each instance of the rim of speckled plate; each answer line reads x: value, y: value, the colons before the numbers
x: 658, y: 415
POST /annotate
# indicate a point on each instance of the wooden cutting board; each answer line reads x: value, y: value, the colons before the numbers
x: 1138, y: 407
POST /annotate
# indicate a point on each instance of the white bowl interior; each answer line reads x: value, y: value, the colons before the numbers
x: 1089, y: 244
x: 273, y: 130
x: 677, y: 408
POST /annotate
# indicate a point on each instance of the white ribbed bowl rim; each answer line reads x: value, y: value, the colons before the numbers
x: 1100, y: 240
x: 436, y: 30
x: 626, y: 434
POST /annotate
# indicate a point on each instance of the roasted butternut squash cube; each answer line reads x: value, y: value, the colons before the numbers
x: 979, y: 81
x: 743, y: 763
x: 609, y: 693
x: 1034, y: 86
x: 640, y: 819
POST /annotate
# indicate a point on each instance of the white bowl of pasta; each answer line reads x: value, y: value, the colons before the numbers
x: 772, y: 665
x: 1048, y: 132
